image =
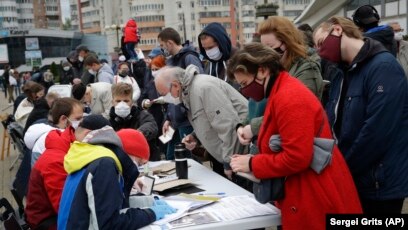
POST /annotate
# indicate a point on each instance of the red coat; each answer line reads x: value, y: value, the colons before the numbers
x: 296, y: 114
x: 130, y: 32
x: 47, y: 178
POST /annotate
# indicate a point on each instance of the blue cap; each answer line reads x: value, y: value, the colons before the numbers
x: 155, y: 52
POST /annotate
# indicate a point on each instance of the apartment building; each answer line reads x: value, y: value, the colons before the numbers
x: 27, y: 14
x: 188, y: 17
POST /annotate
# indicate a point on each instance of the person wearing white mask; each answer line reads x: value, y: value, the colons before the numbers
x: 67, y: 75
x: 402, y: 46
x: 123, y: 77
x: 124, y: 114
x: 213, y: 107
x: 102, y: 71
x: 215, y: 46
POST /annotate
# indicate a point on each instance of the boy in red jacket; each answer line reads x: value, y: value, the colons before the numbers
x: 131, y: 38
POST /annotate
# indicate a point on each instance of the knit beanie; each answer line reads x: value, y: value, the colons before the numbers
x: 134, y: 143
x: 94, y: 122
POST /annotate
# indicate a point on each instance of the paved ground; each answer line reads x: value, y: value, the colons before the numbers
x: 7, y: 176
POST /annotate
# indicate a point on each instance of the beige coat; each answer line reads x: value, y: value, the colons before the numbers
x: 101, y: 98
x: 214, y: 110
x: 402, y: 56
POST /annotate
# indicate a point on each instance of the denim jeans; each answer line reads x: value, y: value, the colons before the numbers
x: 130, y: 47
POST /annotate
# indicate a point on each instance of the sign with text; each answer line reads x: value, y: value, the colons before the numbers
x: 33, y: 57
x: 4, y: 53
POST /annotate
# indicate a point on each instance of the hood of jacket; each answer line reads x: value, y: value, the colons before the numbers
x: 175, y: 60
x: 186, y: 80
x: 218, y: 32
x: 61, y: 140
x: 103, y: 136
x: 106, y: 68
x: 34, y: 132
x: 370, y: 48
x: 383, y: 34
x: 131, y: 23
x: 80, y: 154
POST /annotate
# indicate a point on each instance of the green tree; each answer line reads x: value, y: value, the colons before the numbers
x: 54, y: 71
x: 67, y: 25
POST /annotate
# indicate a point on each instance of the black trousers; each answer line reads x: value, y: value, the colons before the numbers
x: 382, y: 206
x: 216, y: 166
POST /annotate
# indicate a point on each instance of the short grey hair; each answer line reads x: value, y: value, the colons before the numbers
x: 170, y: 74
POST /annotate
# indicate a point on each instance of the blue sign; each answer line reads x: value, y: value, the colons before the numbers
x: 4, y: 33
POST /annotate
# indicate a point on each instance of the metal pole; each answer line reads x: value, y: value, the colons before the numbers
x: 117, y: 35
x: 184, y: 28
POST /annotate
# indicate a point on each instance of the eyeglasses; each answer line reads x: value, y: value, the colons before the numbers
x: 400, y: 30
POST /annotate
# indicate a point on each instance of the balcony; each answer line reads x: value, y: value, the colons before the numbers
x: 266, y: 10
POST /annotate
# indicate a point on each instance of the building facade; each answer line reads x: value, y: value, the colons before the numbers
x: 188, y: 17
x: 27, y: 14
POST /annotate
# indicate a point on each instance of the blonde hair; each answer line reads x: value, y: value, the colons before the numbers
x: 286, y: 32
x: 122, y: 89
x: 348, y: 26
x: 252, y: 56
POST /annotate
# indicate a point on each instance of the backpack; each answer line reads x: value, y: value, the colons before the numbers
x: 181, y: 61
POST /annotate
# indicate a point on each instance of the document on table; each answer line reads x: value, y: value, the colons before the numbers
x: 167, y: 136
x: 239, y: 207
x: 183, y: 205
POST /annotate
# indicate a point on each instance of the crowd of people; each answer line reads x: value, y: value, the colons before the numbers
x: 345, y: 80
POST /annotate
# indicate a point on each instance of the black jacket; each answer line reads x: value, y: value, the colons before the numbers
x: 40, y: 111
x: 140, y: 120
x: 157, y: 110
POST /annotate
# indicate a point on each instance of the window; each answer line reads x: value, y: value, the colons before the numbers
x: 247, y: 2
x: 192, y: 4
x: 292, y: 13
x: 248, y: 13
x: 217, y: 14
x: 192, y: 16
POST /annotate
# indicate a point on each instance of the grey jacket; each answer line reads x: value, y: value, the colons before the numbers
x: 214, y: 110
x: 105, y: 74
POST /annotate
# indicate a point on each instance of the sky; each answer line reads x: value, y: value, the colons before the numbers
x: 65, y: 10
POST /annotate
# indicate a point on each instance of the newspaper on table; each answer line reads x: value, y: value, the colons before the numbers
x: 225, y: 209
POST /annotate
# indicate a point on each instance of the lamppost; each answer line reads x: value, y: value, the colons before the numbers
x: 116, y: 28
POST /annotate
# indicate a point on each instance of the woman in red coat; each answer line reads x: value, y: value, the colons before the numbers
x: 131, y: 38
x: 293, y: 112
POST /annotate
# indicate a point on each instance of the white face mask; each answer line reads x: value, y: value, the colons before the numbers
x: 398, y: 36
x: 91, y: 71
x: 214, y: 53
x: 66, y: 68
x: 171, y: 100
x: 154, y: 73
x: 166, y: 52
x: 74, y: 124
x: 122, y: 109
x: 80, y: 58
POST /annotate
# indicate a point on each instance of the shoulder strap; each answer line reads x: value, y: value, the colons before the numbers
x: 183, y: 57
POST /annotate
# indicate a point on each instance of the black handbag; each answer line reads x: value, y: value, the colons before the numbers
x: 269, y: 189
